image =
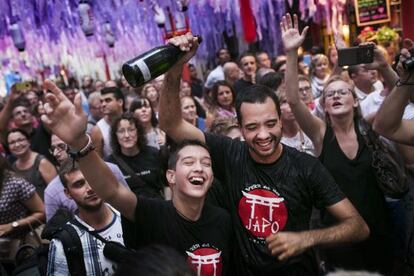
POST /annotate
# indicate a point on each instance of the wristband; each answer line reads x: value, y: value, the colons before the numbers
x: 84, y: 151
x: 403, y: 83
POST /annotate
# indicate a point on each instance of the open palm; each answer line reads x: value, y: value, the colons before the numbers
x: 291, y: 37
x: 66, y: 120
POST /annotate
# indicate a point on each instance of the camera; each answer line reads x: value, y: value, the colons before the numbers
x: 408, y: 64
x: 356, y: 55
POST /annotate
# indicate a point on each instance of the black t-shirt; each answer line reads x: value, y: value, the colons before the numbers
x: 206, y: 243
x: 146, y: 165
x: 241, y: 84
x: 267, y: 198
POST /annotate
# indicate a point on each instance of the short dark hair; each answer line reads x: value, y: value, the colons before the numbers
x: 255, y: 93
x: 353, y: 69
x: 21, y: 102
x: 272, y: 80
x: 247, y: 54
x: 173, y: 158
x: 142, y: 138
x: 154, y: 260
x: 68, y: 166
x: 113, y: 90
x: 140, y: 102
x: 221, y: 49
x: 15, y: 130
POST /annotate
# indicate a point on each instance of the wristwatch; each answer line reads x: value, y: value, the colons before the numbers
x: 15, y: 224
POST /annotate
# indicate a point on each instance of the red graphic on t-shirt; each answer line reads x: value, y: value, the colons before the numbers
x: 206, y: 261
x: 262, y: 212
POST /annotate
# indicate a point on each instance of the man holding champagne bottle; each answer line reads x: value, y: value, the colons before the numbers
x: 272, y: 188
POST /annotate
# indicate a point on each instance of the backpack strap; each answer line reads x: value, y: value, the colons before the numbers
x: 73, y: 250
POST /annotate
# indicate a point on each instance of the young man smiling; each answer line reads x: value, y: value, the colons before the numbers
x: 272, y: 188
x: 197, y: 230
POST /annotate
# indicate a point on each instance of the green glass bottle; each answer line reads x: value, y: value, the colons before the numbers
x: 151, y: 64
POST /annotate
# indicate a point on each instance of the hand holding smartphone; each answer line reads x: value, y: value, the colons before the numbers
x: 356, y: 55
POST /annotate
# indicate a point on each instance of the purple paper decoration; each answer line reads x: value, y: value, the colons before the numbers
x: 53, y: 33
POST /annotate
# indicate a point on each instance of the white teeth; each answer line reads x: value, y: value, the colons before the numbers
x: 196, y: 180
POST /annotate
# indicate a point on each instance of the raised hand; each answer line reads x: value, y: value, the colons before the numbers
x: 187, y: 43
x: 66, y: 120
x: 291, y: 37
x: 379, y: 58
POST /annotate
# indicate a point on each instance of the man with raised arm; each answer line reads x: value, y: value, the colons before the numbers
x: 389, y: 120
x: 199, y: 231
x: 272, y: 188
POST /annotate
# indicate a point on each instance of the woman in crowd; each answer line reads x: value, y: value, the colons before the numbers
x: 151, y: 93
x: 142, y: 110
x: 189, y: 112
x: 31, y: 165
x: 132, y: 154
x: 319, y: 73
x: 223, y: 97
x: 21, y: 209
x: 340, y: 146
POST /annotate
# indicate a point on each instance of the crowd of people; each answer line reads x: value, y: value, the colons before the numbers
x: 262, y: 169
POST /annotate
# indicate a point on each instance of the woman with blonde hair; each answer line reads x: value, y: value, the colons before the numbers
x: 150, y: 92
x: 319, y: 73
x: 342, y: 149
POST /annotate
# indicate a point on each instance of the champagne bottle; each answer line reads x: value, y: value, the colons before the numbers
x: 152, y: 64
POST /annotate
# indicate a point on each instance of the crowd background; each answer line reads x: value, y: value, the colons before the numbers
x: 123, y: 123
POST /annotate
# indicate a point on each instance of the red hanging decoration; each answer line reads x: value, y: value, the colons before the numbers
x: 248, y: 22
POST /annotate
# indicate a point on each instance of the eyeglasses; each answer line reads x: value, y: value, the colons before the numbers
x: 331, y: 94
x: 20, y: 140
x: 123, y: 131
x: 59, y: 147
x: 305, y: 90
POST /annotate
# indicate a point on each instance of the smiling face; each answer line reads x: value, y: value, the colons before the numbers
x: 248, y: 65
x: 193, y: 174
x: 321, y: 67
x: 262, y: 130
x: 127, y: 135
x: 18, y: 143
x: 188, y: 109
x: 224, y: 96
x: 339, y: 100
x: 78, y: 189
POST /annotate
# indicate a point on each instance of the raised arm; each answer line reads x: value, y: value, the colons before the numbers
x: 170, y: 117
x: 69, y: 122
x: 350, y: 228
x: 380, y: 63
x: 292, y: 40
x: 388, y: 121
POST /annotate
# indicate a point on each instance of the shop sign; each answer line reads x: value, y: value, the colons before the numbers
x: 370, y: 12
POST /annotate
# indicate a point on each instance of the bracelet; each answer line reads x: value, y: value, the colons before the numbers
x: 403, y: 83
x: 84, y: 151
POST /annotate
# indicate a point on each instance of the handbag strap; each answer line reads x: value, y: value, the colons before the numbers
x: 138, y: 181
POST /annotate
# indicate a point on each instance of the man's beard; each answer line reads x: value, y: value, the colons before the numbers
x: 90, y: 207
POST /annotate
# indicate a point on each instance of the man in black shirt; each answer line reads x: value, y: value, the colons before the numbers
x: 272, y: 188
x: 197, y: 230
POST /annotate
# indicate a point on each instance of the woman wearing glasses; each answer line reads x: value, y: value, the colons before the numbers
x: 31, y: 165
x: 138, y: 162
x: 341, y: 148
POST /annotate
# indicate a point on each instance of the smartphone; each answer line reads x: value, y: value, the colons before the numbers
x: 23, y: 86
x: 307, y: 60
x: 356, y: 55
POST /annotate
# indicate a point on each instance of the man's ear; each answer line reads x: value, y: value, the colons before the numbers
x: 67, y: 193
x: 170, y: 175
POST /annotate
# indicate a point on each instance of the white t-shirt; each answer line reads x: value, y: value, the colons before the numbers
x: 216, y: 75
x: 373, y: 101
x: 296, y: 142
